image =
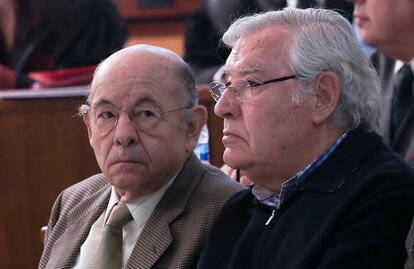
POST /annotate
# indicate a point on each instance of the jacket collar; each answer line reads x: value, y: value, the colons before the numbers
x: 148, y: 249
x: 80, y: 219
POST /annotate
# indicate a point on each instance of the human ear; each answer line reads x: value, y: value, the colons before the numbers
x: 85, y: 118
x: 194, y: 126
x: 327, y: 92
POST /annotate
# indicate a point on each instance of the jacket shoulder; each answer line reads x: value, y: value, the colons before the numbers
x: 214, y: 178
x: 84, y: 189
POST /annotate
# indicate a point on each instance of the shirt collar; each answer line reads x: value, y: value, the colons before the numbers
x: 142, y: 207
x: 274, y: 200
x: 399, y: 64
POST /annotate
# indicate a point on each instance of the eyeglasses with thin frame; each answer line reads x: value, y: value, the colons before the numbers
x: 241, y: 92
x: 144, y: 117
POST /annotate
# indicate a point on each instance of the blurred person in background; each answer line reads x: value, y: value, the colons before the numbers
x: 388, y: 26
x: 39, y: 35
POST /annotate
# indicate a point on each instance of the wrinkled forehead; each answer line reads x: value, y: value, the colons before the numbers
x: 130, y: 93
x: 125, y: 84
x: 263, y: 51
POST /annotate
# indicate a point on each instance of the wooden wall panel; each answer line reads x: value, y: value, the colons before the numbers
x: 44, y: 149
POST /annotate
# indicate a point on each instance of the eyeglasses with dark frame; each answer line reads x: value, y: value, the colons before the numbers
x: 144, y: 118
x: 218, y: 88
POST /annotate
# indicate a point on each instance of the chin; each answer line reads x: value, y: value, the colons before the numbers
x: 368, y: 37
x: 233, y: 159
x: 123, y: 180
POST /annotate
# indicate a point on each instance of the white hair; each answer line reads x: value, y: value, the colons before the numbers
x: 322, y: 40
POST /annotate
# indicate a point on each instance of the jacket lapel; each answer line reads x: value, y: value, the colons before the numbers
x: 80, y: 219
x: 156, y: 236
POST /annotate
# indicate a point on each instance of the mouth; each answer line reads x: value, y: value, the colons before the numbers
x: 229, y: 137
x: 124, y: 162
x: 228, y: 133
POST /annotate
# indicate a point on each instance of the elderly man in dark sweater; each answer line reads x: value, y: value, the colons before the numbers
x: 301, y: 108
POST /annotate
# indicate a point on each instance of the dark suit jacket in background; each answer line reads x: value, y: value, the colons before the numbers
x: 354, y: 211
x: 385, y: 68
x: 173, y: 234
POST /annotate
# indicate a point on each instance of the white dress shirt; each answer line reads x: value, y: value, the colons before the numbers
x: 399, y: 64
x: 141, y: 209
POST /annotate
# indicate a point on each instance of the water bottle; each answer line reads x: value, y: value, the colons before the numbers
x: 201, y: 149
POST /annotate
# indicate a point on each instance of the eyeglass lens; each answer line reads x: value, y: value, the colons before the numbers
x: 144, y: 118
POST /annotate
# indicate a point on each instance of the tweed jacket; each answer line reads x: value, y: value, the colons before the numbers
x: 173, y: 235
x: 351, y: 212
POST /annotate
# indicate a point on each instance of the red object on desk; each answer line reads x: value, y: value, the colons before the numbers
x: 63, y: 77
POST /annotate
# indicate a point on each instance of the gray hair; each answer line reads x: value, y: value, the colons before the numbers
x: 186, y: 80
x: 322, y: 40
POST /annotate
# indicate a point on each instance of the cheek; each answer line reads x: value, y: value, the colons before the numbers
x: 260, y: 122
x: 380, y: 14
x: 164, y: 146
x: 274, y: 125
x: 101, y: 148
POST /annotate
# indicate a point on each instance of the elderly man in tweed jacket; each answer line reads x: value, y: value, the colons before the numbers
x: 143, y: 124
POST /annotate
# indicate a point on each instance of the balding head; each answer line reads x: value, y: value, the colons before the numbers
x: 160, y: 64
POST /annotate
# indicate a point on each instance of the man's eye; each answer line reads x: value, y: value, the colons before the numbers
x: 252, y: 83
x: 106, y: 115
x: 145, y: 114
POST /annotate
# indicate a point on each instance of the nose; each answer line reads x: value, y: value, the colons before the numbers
x: 125, y: 132
x: 358, y: 5
x: 227, y: 106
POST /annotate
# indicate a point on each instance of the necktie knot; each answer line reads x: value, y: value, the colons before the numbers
x: 119, y: 216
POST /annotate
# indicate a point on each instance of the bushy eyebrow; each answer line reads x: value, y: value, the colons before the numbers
x: 253, y: 68
x: 146, y: 100
x: 103, y: 102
